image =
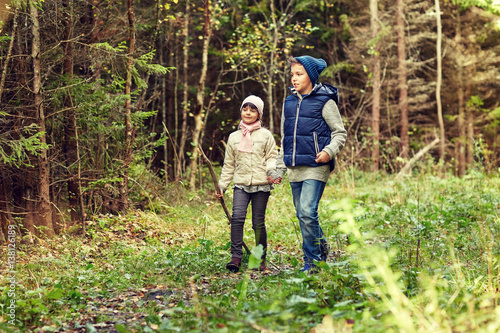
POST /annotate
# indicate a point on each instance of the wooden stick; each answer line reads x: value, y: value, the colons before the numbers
x: 217, y: 189
x: 216, y: 183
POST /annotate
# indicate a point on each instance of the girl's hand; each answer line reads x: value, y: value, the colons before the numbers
x: 271, y: 180
x: 219, y: 194
x: 322, y: 157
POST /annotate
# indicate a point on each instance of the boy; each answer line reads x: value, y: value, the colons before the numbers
x: 312, y: 133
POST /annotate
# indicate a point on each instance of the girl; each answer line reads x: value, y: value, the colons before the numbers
x: 250, y: 163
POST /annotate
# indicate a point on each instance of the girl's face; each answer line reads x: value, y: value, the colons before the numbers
x: 249, y: 115
x: 300, y: 79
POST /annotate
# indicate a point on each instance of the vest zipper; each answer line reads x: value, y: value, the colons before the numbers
x: 295, y: 131
x: 316, y: 146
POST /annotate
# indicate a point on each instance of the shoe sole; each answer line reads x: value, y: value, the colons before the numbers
x: 233, y: 268
x: 259, y: 269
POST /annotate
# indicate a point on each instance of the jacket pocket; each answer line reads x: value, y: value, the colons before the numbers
x: 316, y: 146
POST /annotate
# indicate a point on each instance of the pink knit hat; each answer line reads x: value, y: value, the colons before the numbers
x: 257, y: 101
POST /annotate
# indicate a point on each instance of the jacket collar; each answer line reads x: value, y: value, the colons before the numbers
x: 295, y: 93
x: 319, y: 89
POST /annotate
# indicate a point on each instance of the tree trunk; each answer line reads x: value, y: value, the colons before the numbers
x: 177, y: 172
x: 164, y: 112
x: 200, y: 97
x: 376, y: 86
x: 185, y: 104
x: 30, y: 222
x: 171, y: 115
x: 95, y: 37
x: 129, y: 135
x: 272, y: 69
x: 460, y: 141
x: 70, y: 121
x: 5, y: 214
x: 9, y: 53
x: 403, y: 87
x: 20, y: 67
x: 44, y: 210
x: 439, y: 80
x: 470, y: 124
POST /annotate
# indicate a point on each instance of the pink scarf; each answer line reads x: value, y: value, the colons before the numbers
x: 245, y: 145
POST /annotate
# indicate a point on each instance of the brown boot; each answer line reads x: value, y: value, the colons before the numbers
x: 234, y: 264
x: 262, y: 266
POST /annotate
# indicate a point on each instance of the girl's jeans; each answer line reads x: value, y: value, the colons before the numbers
x: 241, y: 199
x: 306, y: 197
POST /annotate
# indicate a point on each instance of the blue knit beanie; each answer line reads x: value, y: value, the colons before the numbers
x: 313, y: 67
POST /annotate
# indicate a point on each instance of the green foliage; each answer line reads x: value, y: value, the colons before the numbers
x: 413, y: 255
x: 16, y: 152
x: 332, y: 70
x: 484, y: 4
x: 101, y: 127
x: 144, y: 62
x: 255, y: 257
x: 254, y: 41
x: 4, y: 39
x: 141, y: 63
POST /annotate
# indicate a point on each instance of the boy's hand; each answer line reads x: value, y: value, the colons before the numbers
x: 322, y: 157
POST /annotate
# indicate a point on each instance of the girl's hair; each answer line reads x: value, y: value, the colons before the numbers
x: 251, y: 105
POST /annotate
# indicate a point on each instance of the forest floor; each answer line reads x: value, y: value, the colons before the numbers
x: 413, y: 255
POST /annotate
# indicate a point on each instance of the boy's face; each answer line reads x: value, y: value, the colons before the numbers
x: 249, y: 115
x: 300, y: 79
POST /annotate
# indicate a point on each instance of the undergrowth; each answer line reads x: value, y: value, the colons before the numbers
x: 415, y: 255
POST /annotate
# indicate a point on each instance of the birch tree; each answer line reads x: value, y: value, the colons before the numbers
x: 402, y: 79
x: 185, y: 101
x: 129, y: 135
x: 439, y: 72
x: 199, y: 117
x: 376, y: 84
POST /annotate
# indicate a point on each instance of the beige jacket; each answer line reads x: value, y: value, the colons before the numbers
x: 249, y: 168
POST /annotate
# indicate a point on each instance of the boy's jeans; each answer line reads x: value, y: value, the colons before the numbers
x: 306, y: 197
x: 241, y: 199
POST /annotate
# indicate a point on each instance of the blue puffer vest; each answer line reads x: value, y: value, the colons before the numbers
x: 306, y: 132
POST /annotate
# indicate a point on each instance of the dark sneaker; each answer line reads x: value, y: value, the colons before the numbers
x: 325, y: 250
x: 309, y: 269
x: 234, y: 265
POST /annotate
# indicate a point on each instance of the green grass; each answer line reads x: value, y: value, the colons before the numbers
x: 416, y: 255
